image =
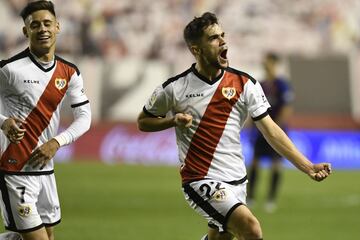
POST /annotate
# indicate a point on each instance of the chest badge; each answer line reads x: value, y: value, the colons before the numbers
x: 60, y: 83
x: 228, y: 92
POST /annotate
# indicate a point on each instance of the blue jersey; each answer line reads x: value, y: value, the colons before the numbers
x: 279, y: 94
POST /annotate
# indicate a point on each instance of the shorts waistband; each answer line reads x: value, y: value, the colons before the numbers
x: 237, y: 182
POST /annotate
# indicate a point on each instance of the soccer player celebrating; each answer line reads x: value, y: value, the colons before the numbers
x: 33, y: 85
x: 208, y: 104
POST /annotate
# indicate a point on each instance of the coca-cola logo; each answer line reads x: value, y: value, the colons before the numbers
x: 124, y: 145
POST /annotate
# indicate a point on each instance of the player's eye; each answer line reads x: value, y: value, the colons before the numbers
x: 34, y: 25
x: 213, y: 37
x: 47, y: 23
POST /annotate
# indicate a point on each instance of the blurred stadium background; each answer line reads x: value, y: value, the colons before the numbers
x: 125, y: 48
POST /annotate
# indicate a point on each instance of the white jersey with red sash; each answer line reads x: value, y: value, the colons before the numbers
x: 211, y: 147
x: 34, y: 94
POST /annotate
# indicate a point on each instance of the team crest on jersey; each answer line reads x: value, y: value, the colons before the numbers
x: 60, y: 83
x: 228, y: 92
x: 220, y: 195
x: 24, y: 210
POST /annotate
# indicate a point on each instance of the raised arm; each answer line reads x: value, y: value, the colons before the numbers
x: 276, y: 137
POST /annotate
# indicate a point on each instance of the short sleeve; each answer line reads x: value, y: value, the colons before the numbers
x: 76, y: 91
x: 255, y: 100
x: 159, y: 103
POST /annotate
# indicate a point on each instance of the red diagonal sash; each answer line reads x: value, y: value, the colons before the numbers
x: 16, y: 155
x: 207, y: 136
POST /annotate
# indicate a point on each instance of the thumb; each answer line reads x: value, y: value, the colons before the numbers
x: 327, y: 167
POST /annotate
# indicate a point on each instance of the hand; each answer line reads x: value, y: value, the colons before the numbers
x: 320, y: 171
x: 13, y: 129
x: 183, y: 120
x: 42, y: 155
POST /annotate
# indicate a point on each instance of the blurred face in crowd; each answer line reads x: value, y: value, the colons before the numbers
x: 212, y: 49
x: 41, y: 28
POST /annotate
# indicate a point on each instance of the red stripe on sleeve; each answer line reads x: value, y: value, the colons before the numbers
x: 208, y: 134
x: 16, y: 155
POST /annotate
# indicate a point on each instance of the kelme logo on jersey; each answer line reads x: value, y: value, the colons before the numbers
x: 60, y: 83
x: 24, y: 210
x: 228, y: 92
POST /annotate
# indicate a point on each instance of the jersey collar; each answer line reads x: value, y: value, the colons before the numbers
x: 201, y: 77
x: 32, y: 58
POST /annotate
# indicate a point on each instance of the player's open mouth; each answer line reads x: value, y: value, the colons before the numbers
x: 223, y: 54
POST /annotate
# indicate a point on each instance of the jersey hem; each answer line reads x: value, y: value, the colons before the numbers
x: 261, y: 116
x: 150, y: 114
x: 27, y: 173
x: 233, y: 182
x: 52, y: 224
x: 80, y: 104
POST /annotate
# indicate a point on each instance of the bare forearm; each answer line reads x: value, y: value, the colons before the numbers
x: 276, y: 137
x: 150, y: 124
x: 283, y: 145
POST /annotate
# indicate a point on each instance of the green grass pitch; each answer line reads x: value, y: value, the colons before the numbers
x: 132, y: 202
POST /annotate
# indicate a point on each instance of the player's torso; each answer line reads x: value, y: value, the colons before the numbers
x: 212, y: 143
x: 33, y: 94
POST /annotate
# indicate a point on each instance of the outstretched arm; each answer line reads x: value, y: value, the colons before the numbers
x: 276, y: 137
x: 147, y: 123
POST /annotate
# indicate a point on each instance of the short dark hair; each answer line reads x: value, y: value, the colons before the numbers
x: 195, y: 29
x: 36, y: 6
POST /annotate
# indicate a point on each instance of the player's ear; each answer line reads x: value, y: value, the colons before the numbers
x: 25, y: 32
x: 195, y: 49
x: 57, y: 27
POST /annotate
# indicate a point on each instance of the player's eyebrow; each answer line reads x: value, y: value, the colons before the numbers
x: 214, y: 36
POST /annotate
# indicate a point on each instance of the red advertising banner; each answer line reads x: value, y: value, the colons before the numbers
x: 122, y: 143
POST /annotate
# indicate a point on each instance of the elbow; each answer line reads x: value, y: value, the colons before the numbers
x: 141, y: 126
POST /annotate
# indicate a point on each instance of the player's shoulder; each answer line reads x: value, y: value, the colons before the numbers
x: 176, y: 78
x: 21, y: 55
x: 68, y: 63
x: 245, y: 76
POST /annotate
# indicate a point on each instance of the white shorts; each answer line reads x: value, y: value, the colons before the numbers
x: 215, y: 200
x: 29, y: 202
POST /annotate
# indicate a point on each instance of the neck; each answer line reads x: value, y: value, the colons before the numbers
x: 208, y: 71
x: 43, y: 55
